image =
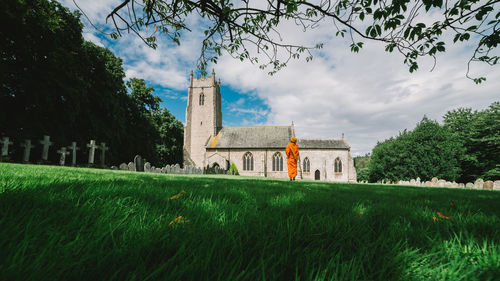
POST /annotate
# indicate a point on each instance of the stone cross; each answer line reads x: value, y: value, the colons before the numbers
x: 46, y: 143
x: 103, y: 149
x: 63, y: 153
x: 5, y: 145
x: 92, y: 147
x: 27, y: 149
x: 73, y: 149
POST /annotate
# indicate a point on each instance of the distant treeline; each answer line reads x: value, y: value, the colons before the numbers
x: 53, y: 82
x: 465, y: 147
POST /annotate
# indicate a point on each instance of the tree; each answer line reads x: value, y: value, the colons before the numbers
x: 242, y: 27
x: 430, y: 150
x: 142, y: 95
x: 52, y: 82
x: 478, y: 133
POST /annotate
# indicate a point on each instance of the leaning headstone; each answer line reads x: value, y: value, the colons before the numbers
x: 139, y: 166
x: 73, y: 149
x: 147, y: 167
x: 496, y: 184
x: 479, y: 183
x: 27, y: 149
x: 123, y: 167
x: 45, y: 151
x: 114, y: 168
x: 5, y: 146
x: 92, y: 146
x: 488, y: 185
x: 103, y: 149
x: 167, y: 169
x: 131, y: 166
x: 469, y: 185
x: 62, y: 158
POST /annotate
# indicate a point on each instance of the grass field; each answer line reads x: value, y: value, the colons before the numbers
x: 85, y: 224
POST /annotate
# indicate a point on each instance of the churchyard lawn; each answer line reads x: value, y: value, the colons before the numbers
x: 61, y: 223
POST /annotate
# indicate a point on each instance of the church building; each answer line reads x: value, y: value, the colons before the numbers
x: 256, y: 150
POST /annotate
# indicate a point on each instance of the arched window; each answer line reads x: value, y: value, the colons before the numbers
x: 248, y: 162
x: 277, y: 162
x: 338, y: 166
x: 202, y: 99
x: 307, y: 165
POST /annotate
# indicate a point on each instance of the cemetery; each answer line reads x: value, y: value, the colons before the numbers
x: 100, y: 181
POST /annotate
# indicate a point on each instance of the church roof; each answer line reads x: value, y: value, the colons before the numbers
x: 252, y: 137
x: 268, y: 137
x: 323, y: 144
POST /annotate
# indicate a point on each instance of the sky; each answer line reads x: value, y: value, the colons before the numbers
x: 368, y: 96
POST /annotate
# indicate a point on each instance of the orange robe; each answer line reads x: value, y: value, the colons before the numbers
x: 292, y: 155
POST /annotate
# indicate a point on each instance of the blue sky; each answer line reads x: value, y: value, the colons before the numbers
x: 369, y: 96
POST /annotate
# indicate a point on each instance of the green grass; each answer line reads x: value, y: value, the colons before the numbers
x: 84, y: 224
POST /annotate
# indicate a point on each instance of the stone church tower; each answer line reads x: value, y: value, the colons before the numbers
x: 203, y: 118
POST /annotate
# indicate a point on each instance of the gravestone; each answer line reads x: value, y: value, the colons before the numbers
x: 5, y: 146
x: 496, y: 184
x: 434, y: 181
x: 428, y: 183
x: 92, y: 146
x: 479, y: 183
x: 147, y: 167
x: 469, y: 185
x: 45, y: 151
x: 488, y: 185
x: 412, y: 182
x: 163, y: 170
x: 448, y: 184
x: 139, y: 166
x: 103, y: 149
x: 73, y: 148
x: 123, y: 167
x: 114, y: 168
x: 157, y: 170
x: 177, y: 169
x: 461, y: 185
x: 131, y: 166
x: 153, y: 169
x: 418, y: 182
x: 63, y: 153
x: 454, y: 184
x: 27, y: 149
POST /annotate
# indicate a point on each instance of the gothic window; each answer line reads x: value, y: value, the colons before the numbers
x: 277, y: 162
x: 248, y: 162
x: 307, y: 165
x: 338, y: 166
x: 202, y: 99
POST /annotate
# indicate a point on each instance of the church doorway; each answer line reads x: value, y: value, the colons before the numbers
x: 215, y: 165
x: 316, y: 175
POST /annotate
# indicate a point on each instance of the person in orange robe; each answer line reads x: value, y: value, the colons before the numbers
x: 292, y: 155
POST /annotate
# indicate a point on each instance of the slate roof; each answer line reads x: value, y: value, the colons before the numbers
x: 267, y: 137
x: 252, y: 137
x: 323, y: 144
